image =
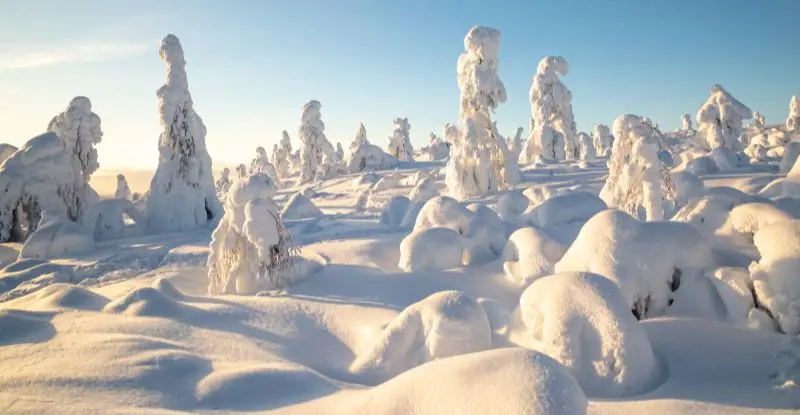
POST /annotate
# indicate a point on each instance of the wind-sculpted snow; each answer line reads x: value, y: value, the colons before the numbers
x: 300, y: 207
x: 775, y: 279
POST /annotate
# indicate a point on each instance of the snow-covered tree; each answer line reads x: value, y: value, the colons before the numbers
x: 553, y: 127
x: 400, y: 142
x: 79, y: 130
x: 261, y: 164
x: 280, y: 161
x: 241, y: 171
x: 182, y: 193
x: 315, y: 147
x: 479, y: 159
x: 686, y: 123
x: 339, y: 152
x: 586, y: 149
x: 361, y: 138
x: 250, y: 250
x: 123, y: 191
x: 758, y: 120
x: 451, y: 133
x: 793, y: 121
x: 719, y: 120
x: 602, y: 139
x: 437, y: 149
x: 286, y: 143
x: 638, y: 183
x: 223, y: 184
x: 516, y: 143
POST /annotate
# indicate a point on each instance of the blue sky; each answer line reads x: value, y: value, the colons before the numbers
x: 253, y: 63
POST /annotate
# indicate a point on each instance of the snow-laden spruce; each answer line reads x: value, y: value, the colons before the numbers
x: 123, y: 191
x: 480, y: 162
x: 553, y: 131
x: 114, y: 219
x: 79, y: 130
x: 638, y: 183
x: 250, y: 250
x: 686, y: 123
x: 583, y: 321
x: 793, y: 120
x: 585, y: 147
x: 315, y: 149
x: 261, y: 164
x: 719, y: 120
x: 602, y: 140
x: 400, y: 141
x: 182, y: 194
x: 364, y: 156
x: 282, y: 159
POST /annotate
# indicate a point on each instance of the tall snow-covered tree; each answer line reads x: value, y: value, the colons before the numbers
x: 79, y: 130
x: 123, y: 190
x: 241, y: 171
x: 339, y: 152
x: 280, y: 159
x: 553, y: 131
x: 261, y: 164
x: 286, y: 143
x: 686, y: 123
x: 182, y: 194
x: 400, y: 141
x: 602, y: 139
x: 719, y: 120
x: 793, y: 121
x: 479, y: 159
x: 315, y: 148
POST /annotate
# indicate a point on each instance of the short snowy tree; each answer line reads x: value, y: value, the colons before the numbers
x: 400, y: 142
x: 79, y: 130
x: 602, y: 139
x: 123, y: 191
x: 339, y: 152
x: 361, y: 138
x: 280, y: 161
x: 182, y: 193
x: 719, y: 120
x: 793, y: 121
x: 241, y: 171
x: 586, y: 149
x: 261, y: 164
x: 638, y: 183
x: 553, y: 126
x: 686, y: 123
x: 437, y: 149
x: 223, y: 184
x: 758, y: 120
x: 479, y: 159
x: 315, y: 147
x: 250, y: 249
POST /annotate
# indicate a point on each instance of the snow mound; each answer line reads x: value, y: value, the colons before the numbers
x: 411, y: 215
x: 364, y: 180
x: 566, y: 208
x: 733, y: 286
x: 69, y: 296
x: 775, y: 279
x: 790, y: 155
x: 167, y: 288
x: 443, y: 211
x: 300, y: 207
x: 646, y: 259
x: 17, y: 326
x: 583, y: 321
x: 261, y: 387
x: 368, y: 157
x: 502, y: 381
x: 57, y: 238
x: 431, y: 249
x: 444, y: 324
x: 710, y: 212
x: 424, y: 190
x: 511, y: 206
x: 687, y: 187
x: 530, y: 254
x: 393, y: 213
x: 147, y: 301
x: 748, y: 218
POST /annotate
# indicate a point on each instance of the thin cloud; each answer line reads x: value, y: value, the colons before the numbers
x: 28, y: 57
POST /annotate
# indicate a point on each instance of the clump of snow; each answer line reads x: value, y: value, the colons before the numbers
x: 114, y: 219
x: 734, y: 287
x: 424, y: 190
x: 250, y: 249
x: 793, y: 120
x: 646, y: 259
x: 400, y: 142
x: 182, y: 194
x: 57, y: 238
x: 431, y: 249
x: 775, y: 279
x: 299, y: 206
x: 583, y: 321
x: 360, y: 138
x: 602, y: 140
x: 511, y: 207
x: 444, y: 324
x: 387, y: 182
x: 480, y: 162
x: 69, y: 296
x: 530, y: 254
x: 750, y: 217
x: 719, y: 120
x: 553, y: 131
x: 395, y: 210
x: 315, y: 149
x: 710, y: 212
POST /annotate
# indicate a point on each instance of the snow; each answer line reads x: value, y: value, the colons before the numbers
x: 368, y: 157
x: 424, y: 190
x: 530, y: 254
x: 122, y: 191
x: 719, y: 120
x: 775, y: 280
x: 793, y: 120
x: 511, y: 207
x: 553, y: 129
x: 400, y: 142
x: 315, y: 150
x: 431, y: 249
x: 437, y: 149
x: 393, y: 213
x: 602, y: 140
x: 57, y: 238
x: 114, y: 219
x: 583, y: 321
x: 6, y: 150
x: 300, y: 206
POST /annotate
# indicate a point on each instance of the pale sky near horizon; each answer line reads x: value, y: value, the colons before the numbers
x: 253, y: 63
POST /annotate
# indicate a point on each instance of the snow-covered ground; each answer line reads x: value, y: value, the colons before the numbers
x: 129, y: 328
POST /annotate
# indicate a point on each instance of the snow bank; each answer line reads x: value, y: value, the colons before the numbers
x: 300, y: 207
x: 424, y: 190
x: 393, y: 213
x: 776, y: 282
x: 687, y: 187
x: 530, y: 254
x: 646, y: 259
x: 431, y: 249
x: 565, y: 208
x: 444, y: 324
x: 57, y: 238
x: 512, y: 206
x: 583, y: 321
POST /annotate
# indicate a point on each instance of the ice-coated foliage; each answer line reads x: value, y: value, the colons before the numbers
x: 261, y: 164
x: 38, y: 178
x: 400, y: 141
x: 719, y: 120
x: 315, y: 149
x: 686, y: 123
x: 776, y: 283
x: 585, y: 147
x: 793, y: 121
x: 480, y: 162
x: 122, y: 191
x: 182, y: 194
x: 602, y: 140
x: 647, y: 260
x: 250, y: 250
x: 530, y: 254
x: 444, y: 324
x: 638, y: 183
x: 223, y: 184
x: 583, y: 321
x: 553, y: 131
